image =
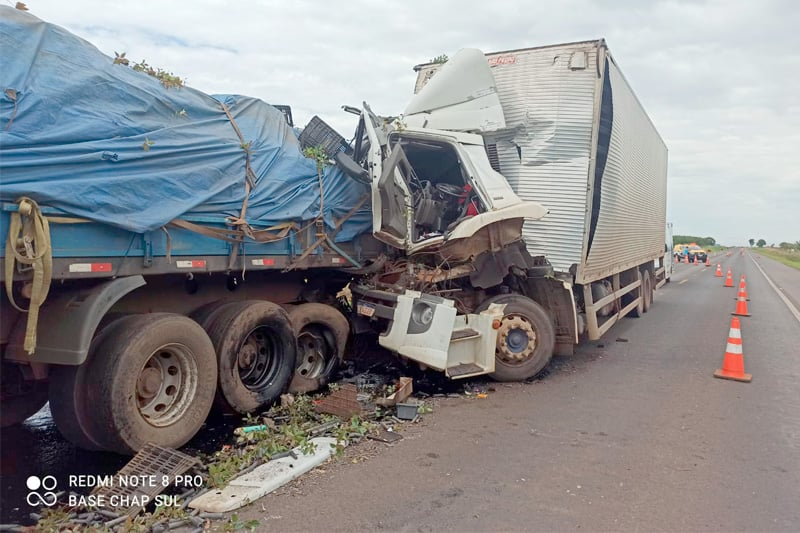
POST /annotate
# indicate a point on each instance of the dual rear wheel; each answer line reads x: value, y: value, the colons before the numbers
x: 154, y: 377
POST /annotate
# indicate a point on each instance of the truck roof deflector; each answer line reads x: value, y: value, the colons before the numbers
x: 462, y: 97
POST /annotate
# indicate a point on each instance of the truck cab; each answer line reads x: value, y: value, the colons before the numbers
x: 432, y: 186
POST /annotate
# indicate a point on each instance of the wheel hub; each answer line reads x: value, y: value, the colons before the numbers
x: 165, y: 385
x: 149, y: 382
x: 247, y: 355
x: 516, y: 339
x: 255, y: 359
x: 312, y: 355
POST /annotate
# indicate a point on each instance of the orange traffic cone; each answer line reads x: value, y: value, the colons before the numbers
x: 728, y: 279
x: 719, y: 271
x: 742, y: 290
x: 733, y: 362
x: 741, y: 305
x: 695, y: 261
x: 686, y: 258
x: 708, y: 262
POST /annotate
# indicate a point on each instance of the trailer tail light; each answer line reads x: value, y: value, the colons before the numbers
x: 196, y: 263
x: 496, y: 323
x: 90, y: 267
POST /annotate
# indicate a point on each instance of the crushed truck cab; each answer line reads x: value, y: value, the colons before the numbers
x: 430, y: 187
x: 435, y: 196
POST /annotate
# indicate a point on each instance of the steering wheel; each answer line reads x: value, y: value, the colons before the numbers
x: 449, y: 189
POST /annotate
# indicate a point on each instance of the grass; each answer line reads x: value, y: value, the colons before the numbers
x: 787, y: 257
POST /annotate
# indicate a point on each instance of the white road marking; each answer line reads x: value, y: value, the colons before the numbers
x: 682, y: 281
x: 791, y: 307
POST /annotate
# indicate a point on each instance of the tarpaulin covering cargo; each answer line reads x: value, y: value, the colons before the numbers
x: 101, y: 141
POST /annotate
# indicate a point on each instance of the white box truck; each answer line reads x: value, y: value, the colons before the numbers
x: 561, y: 126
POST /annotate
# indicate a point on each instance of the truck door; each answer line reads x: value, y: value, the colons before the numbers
x: 390, y: 172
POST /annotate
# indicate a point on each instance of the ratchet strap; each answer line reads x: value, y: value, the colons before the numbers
x: 29, y: 244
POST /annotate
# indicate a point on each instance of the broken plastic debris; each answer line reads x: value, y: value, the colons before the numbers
x: 404, y: 388
x: 266, y: 478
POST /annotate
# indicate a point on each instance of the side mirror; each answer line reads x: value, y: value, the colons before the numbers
x: 351, y: 168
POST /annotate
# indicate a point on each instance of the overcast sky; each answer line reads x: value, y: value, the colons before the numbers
x: 720, y: 79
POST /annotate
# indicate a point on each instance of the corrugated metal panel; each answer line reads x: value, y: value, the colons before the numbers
x: 545, y: 152
x: 632, y: 216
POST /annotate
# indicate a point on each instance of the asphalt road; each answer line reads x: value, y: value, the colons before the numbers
x: 632, y: 433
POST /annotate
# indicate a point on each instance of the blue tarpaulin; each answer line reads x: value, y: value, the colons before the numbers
x: 101, y: 141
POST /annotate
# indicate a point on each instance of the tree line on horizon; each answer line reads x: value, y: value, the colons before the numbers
x: 689, y: 239
x: 784, y: 245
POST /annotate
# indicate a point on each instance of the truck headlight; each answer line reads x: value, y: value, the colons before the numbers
x: 422, y: 314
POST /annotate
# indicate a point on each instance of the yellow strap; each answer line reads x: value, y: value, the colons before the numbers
x: 29, y: 243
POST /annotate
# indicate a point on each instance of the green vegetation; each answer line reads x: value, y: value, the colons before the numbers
x: 441, y: 58
x: 256, y: 447
x: 703, y: 242
x: 235, y: 524
x: 167, y: 79
x: 317, y: 153
x: 787, y: 256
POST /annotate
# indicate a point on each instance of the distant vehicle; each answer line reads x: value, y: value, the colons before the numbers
x: 679, y: 251
x: 696, y: 252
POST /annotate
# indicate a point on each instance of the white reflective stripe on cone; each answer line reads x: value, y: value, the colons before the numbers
x: 735, y: 349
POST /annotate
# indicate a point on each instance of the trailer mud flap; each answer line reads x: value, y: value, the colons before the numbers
x: 68, y: 320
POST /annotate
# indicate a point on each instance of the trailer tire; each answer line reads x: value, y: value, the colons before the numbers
x: 18, y: 408
x: 68, y: 393
x: 525, y: 340
x: 256, y: 353
x: 647, y: 290
x: 155, y: 377
x: 321, y: 332
x: 206, y: 314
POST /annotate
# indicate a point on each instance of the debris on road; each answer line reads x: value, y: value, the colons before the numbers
x: 400, y: 393
x: 268, y: 450
x: 342, y: 402
x: 267, y: 477
x: 407, y: 411
x: 157, y: 466
x: 386, y: 436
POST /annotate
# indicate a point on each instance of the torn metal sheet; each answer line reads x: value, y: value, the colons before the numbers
x: 386, y: 436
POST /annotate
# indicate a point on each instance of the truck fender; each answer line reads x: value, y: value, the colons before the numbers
x: 68, y: 320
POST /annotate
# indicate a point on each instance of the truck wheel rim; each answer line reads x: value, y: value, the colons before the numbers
x: 516, y: 339
x: 256, y: 359
x: 166, y: 385
x: 313, y: 356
